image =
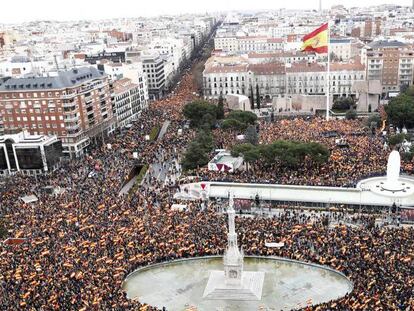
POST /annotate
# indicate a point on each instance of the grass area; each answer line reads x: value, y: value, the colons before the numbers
x: 155, y: 131
x: 142, y: 173
x: 139, y: 178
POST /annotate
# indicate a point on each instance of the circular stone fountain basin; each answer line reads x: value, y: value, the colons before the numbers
x: 288, y: 284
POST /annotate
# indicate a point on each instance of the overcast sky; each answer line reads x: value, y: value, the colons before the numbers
x: 27, y: 10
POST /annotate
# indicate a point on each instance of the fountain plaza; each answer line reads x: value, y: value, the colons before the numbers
x: 236, y: 282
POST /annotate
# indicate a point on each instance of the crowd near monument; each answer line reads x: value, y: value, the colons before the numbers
x: 233, y: 283
x: 236, y: 173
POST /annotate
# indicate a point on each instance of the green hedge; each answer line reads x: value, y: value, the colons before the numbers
x: 139, y: 179
x: 154, y: 133
x: 142, y: 173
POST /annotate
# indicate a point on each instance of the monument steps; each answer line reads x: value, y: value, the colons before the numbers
x: 232, y: 294
x: 250, y: 289
x: 233, y: 283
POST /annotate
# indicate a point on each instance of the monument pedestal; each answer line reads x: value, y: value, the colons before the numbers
x: 250, y: 288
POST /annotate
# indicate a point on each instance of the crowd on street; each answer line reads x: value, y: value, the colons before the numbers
x: 82, y: 243
x: 354, y: 154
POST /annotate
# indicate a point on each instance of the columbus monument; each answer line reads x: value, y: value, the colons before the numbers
x: 233, y: 283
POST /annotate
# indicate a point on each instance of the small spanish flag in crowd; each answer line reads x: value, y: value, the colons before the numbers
x: 317, y: 40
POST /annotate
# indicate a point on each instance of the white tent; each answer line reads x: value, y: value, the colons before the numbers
x: 29, y: 199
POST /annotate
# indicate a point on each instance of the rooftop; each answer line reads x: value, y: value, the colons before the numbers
x: 386, y: 44
x: 280, y: 54
x: 267, y: 69
x: 314, y: 67
x: 123, y: 85
x: 26, y: 138
x: 226, y: 69
x: 64, y: 79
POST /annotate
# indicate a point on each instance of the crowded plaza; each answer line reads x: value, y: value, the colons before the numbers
x: 79, y: 245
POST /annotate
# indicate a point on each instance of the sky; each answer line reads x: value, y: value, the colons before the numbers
x: 28, y: 10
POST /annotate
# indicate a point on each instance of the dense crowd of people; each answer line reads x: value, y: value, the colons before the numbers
x: 354, y: 153
x: 82, y: 243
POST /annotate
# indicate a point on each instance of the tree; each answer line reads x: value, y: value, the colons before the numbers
x: 233, y: 124
x: 197, y: 152
x: 408, y: 156
x: 400, y: 111
x: 318, y: 153
x: 406, y: 89
x: 287, y: 153
x: 220, y: 108
x: 374, y: 120
x: 257, y: 97
x: 208, y: 121
x: 249, y: 152
x: 343, y: 103
x: 251, y: 98
x: 243, y: 116
x: 396, y: 139
x: 239, y: 120
x: 205, y: 139
x: 201, y: 112
x: 251, y: 135
x: 351, y: 114
x: 194, y: 157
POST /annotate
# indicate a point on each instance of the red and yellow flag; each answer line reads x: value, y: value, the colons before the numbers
x: 317, y: 40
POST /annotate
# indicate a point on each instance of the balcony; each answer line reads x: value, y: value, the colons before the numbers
x: 86, y: 89
x: 72, y: 127
x: 69, y: 104
x: 68, y: 96
x: 71, y: 118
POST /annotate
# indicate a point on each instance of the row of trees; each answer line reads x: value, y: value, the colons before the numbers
x: 400, y: 109
x: 205, y: 116
x: 396, y: 141
x: 286, y: 153
x: 239, y: 120
x: 258, y: 100
x: 202, y: 114
x: 197, y: 153
x: 343, y: 103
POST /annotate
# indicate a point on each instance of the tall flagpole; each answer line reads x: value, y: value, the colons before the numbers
x: 328, y: 76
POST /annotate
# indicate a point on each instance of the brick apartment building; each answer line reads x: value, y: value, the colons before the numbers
x: 392, y: 63
x: 74, y: 105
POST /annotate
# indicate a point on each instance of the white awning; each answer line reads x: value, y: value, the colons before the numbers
x: 29, y: 199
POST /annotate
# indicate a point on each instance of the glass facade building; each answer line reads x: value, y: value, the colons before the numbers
x: 30, y: 154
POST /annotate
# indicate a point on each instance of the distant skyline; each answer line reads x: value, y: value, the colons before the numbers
x: 29, y: 10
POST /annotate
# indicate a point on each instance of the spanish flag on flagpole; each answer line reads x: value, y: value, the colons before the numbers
x: 317, y: 40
